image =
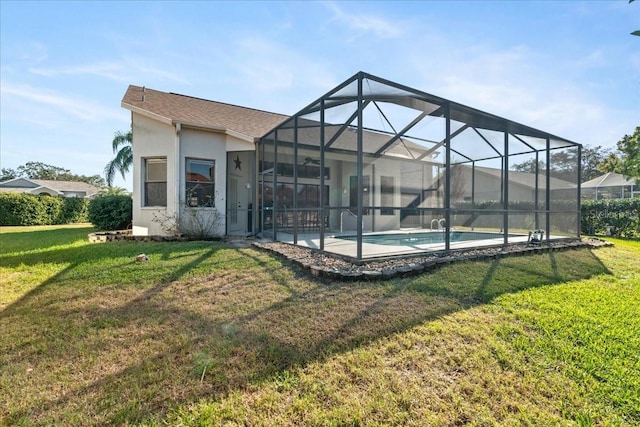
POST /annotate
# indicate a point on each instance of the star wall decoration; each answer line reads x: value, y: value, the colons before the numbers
x: 238, y: 163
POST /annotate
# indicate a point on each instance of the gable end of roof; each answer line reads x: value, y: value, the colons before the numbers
x: 172, y: 108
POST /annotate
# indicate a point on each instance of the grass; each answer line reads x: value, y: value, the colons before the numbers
x: 210, y: 334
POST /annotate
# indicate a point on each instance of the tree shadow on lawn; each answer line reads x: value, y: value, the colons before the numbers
x: 41, y: 239
x: 124, y: 252
x: 129, y: 355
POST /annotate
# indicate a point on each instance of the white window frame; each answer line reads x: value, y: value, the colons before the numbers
x: 146, y: 181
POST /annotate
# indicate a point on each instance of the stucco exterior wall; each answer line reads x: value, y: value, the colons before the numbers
x: 199, y: 144
x: 152, y: 139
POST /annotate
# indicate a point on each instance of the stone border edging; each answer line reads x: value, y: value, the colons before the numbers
x: 413, y: 269
x: 125, y: 235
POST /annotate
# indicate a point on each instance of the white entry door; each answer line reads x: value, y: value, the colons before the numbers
x: 240, y: 192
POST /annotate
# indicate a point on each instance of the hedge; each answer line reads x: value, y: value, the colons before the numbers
x: 622, y: 214
x: 114, y: 212
x: 29, y: 209
x: 111, y: 212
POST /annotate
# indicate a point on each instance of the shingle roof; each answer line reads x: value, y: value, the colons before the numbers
x: 176, y: 108
x: 67, y: 185
x: 608, y: 180
x: 527, y: 179
x: 61, y: 186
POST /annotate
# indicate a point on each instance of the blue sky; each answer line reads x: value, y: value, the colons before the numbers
x: 571, y: 68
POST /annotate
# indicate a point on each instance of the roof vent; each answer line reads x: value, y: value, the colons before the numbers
x: 143, y: 89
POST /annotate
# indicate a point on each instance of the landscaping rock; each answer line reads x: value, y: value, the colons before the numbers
x: 333, y: 267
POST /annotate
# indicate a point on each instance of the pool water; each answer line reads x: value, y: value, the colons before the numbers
x: 426, y: 238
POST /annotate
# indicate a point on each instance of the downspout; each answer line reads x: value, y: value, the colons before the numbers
x: 177, y: 182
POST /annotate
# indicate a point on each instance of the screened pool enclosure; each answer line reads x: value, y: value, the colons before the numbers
x: 374, y: 168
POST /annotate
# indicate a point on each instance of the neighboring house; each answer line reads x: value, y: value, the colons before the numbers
x: 487, y: 185
x: 190, y: 151
x: 610, y: 186
x: 50, y: 187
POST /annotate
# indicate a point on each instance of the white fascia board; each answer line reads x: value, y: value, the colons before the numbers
x: 197, y: 126
x: 147, y: 113
x: 239, y: 135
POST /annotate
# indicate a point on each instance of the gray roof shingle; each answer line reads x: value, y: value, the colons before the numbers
x: 608, y: 180
x: 177, y: 108
x: 27, y: 184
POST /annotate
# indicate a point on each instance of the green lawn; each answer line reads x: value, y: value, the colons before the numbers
x: 208, y: 334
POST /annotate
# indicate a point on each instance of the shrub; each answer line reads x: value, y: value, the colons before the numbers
x: 21, y: 209
x: 623, y: 214
x: 111, y: 212
x: 193, y: 223
x: 30, y: 209
x: 74, y: 210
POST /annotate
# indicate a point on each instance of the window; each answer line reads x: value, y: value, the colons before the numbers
x: 200, y: 182
x: 353, y: 194
x: 305, y: 170
x: 155, y: 182
x: 309, y: 196
x: 387, y: 189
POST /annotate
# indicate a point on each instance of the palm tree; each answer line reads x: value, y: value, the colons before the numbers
x: 122, y: 146
x: 113, y: 191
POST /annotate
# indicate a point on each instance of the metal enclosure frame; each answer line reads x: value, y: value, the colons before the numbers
x: 458, y: 166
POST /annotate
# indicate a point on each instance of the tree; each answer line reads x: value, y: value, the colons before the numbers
x: 95, y: 180
x: 39, y: 170
x: 563, y: 163
x: 528, y: 166
x: 123, y: 149
x: 7, y: 174
x: 114, y: 191
x: 611, y: 163
x: 592, y: 158
x: 629, y: 147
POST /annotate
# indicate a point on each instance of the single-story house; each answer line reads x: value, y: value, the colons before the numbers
x: 50, y: 187
x: 368, y: 156
x: 610, y: 186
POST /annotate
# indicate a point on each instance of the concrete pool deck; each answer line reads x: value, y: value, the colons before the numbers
x: 336, y: 245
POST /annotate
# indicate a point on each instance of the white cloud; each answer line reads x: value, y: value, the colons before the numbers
x: 268, y: 66
x: 107, y: 70
x: 532, y: 87
x: 159, y: 73
x: 593, y: 58
x: 125, y: 71
x: 76, y: 107
x: 361, y: 24
x: 34, y: 53
x: 25, y: 53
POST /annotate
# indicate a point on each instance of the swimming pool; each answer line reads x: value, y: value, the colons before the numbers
x: 426, y: 238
